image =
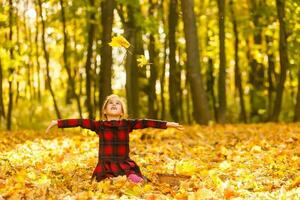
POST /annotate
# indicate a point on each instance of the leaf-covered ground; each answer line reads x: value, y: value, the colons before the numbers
x: 214, y: 162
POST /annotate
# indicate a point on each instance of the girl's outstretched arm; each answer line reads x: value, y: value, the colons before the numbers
x: 151, y: 123
x: 68, y: 123
x: 175, y: 125
x: 53, y: 123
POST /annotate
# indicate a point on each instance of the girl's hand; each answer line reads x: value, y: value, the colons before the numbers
x: 53, y: 123
x: 175, y: 125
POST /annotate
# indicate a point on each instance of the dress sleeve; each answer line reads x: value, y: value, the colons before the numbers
x: 83, y: 123
x: 147, y: 123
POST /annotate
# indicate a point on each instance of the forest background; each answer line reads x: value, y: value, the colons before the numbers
x: 191, y: 61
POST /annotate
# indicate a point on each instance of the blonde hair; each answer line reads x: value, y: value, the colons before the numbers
x: 124, y: 109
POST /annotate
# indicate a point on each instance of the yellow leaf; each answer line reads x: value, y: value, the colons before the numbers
x: 225, y: 165
x: 142, y: 61
x: 119, y: 41
x: 256, y: 149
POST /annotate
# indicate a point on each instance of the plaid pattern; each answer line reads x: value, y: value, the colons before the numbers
x: 113, y: 143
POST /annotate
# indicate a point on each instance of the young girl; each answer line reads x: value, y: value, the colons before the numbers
x: 113, y: 132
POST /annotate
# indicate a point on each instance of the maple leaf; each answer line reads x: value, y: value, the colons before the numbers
x: 119, y: 41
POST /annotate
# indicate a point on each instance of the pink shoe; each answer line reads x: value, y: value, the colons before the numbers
x: 135, y: 178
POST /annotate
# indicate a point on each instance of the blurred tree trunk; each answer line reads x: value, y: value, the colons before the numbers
x: 210, y: 82
x: 91, y: 29
x: 153, y: 59
x: 28, y: 63
x: 297, y: 107
x: 256, y: 74
x: 38, y: 62
x: 131, y: 73
x: 10, y: 69
x: 2, y: 110
x: 107, y: 18
x: 174, y: 77
x: 222, y: 70
x: 17, y: 51
x: 132, y: 33
x: 180, y: 52
x: 46, y: 54
x: 188, y: 100
x: 162, y: 83
x: 201, y: 111
x: 71, y: 81
x: 284, y: 62
x: 152, y: 98
x: 271, y: 74
x: 237, y: 73
x: 163, y: 72
x: 97, y: 108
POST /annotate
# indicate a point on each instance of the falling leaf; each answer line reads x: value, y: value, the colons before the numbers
x: 142, y: 61
x: 119, y: 41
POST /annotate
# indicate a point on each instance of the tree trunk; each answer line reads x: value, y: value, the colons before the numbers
x: 65, y: 59
x: 28, y: 64
x: 222, y: 70
x: 89, y: 57
x: 201, y: 112
x: 210, y: 82
x: 162, y: 83
x: 271, y: 74
x: 132, y: 83
x: 132, y: 77
x: 174, y: 77
x: 46, y: 54
x: 284, y: 62
x: 256, y: 75
x: 10, y: 70
x: 37, y: 61
x: 163, y: 72
x: 107, y: 18
x: 237, y: 73
x: 2, y: 110
x: 188, y: 100
x: 152, y: 99
x: 297, y: 107
x: 153, y: 58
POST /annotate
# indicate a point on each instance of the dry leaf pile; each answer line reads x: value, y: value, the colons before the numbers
x: 211, y: 162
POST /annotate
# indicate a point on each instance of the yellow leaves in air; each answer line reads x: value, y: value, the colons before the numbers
x: 119, y: 41
x: 142, y: 61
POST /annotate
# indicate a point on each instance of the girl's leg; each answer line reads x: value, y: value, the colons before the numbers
x: 132, y: 176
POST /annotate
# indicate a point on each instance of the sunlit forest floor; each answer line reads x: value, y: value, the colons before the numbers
x: 214, y: 162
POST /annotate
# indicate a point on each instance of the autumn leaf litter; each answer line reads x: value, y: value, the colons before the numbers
x: 202, y: 162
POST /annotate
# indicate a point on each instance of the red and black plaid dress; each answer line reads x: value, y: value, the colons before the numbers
x: 113, y: 159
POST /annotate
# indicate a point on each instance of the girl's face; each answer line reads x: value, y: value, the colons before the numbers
x: 113, y: 108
